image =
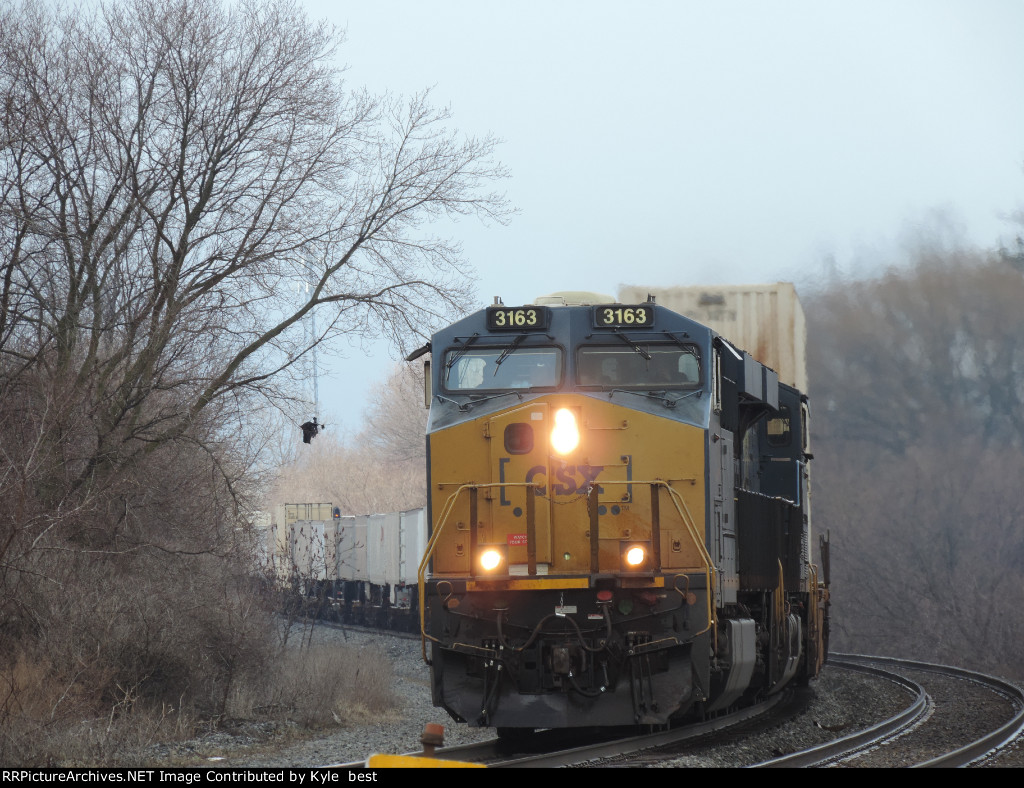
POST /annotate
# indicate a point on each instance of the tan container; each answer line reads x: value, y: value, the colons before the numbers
x: 287, y: 513
x: 765, y: 320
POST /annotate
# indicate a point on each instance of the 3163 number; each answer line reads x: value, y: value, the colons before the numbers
x: 515, y: 317
x: 521, y: 317
x: 624, y: 316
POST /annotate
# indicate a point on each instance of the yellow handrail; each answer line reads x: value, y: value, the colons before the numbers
x: 425, y: 562
x: 709, y: 566
x: 816, y: 614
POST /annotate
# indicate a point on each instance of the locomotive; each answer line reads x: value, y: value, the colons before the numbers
x: 619, y: 520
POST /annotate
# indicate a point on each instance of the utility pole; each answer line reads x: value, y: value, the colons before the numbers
x: 316, y: 380
x: 312, y: 427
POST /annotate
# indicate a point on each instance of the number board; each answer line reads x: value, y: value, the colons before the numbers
x: 619, y: 316
x: 518, y: 318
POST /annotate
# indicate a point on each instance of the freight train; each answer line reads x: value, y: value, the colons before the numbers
x: 359, y: 570
x: 619, y: 520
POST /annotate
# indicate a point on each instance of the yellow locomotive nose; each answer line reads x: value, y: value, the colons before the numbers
x: 566, y: 435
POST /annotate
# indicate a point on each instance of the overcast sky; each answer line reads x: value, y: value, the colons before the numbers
x: 675, y: 143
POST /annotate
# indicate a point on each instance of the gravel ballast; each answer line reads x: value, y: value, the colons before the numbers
x: 842, y: 702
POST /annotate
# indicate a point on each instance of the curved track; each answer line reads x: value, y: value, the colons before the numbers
x: 553, y: 748
x: 950, y: 722
x: 953, y: 717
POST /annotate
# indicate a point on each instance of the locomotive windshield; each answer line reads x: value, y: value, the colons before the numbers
x: 640, y: 367
x: 489, y: 368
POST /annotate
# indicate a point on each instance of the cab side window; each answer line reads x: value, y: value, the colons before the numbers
x: 779, y: 429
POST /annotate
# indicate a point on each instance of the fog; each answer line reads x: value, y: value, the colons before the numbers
x: 675, y: 143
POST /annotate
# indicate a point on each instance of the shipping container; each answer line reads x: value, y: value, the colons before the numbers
x: 765, y: 320
x: 350, y: 548
x: 287, y: 513
x: 413, y: 545
x: 310, y: 552
x: 382, y: 547
x: 263, y: 547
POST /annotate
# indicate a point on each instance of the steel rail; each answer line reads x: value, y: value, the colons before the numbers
x: 978, y: 750
x: 989, y: 744
x: 605, y: 748
x: 582, y: 755
x: 858, y: 740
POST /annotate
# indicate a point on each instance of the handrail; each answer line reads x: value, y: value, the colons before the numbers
x: 709, y: 565
x: 425, y: 561
x: 691, y: 528
x: 814, y: 614
x: 679, y: 503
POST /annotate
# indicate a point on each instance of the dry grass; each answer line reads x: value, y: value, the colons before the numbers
x: 50, y: 720
x: 321, y: 686
x: 44, y: 722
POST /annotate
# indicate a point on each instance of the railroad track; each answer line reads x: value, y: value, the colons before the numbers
x: 555, y: 748
x: 956, y: 718
x: 952, y: 717
x: 600, y: 750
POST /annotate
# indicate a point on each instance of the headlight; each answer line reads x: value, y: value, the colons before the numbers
x: 635, y: 556
x: 566, y: 435
x: 491, y: 559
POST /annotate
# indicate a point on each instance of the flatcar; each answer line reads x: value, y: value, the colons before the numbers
x: 619, y: 520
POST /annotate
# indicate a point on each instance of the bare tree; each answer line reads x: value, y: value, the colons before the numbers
x: 918, y: 380
x: 396, y: 419
x: 380, y: 469
x: 184, y: 183
x: 897, y: 357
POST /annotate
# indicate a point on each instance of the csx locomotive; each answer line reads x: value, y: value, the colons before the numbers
x: 619, y: 520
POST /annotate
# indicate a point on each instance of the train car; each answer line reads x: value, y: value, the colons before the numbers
x: 359, y: 569
x: 619, y: 520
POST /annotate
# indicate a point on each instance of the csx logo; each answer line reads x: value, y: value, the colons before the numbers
x: 565, y: 479
x: 568, y: 478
